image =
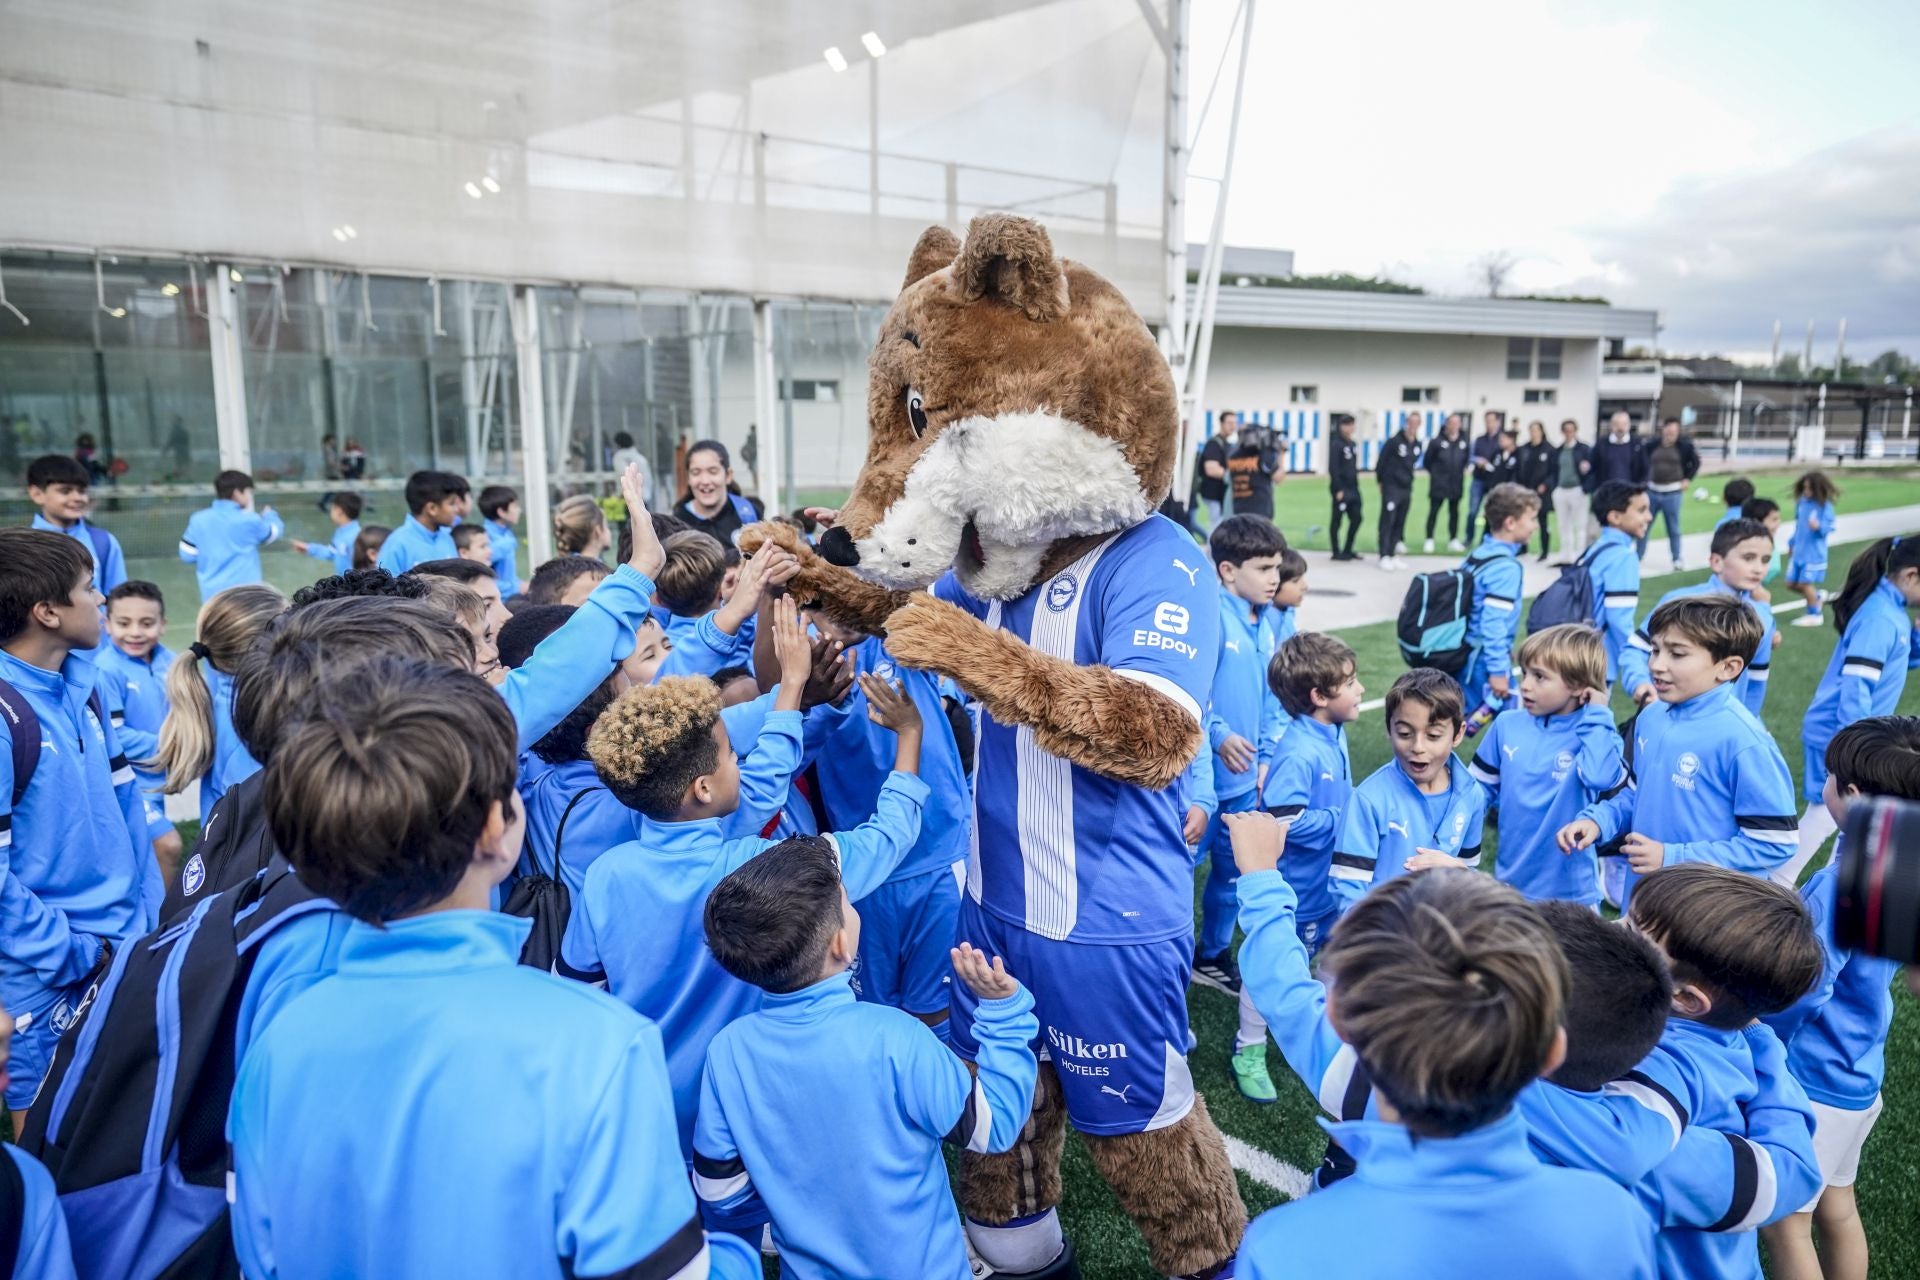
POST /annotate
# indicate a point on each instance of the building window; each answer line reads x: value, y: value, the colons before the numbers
x: 1419, y: 395
x: 824, y: 391
x: 1549, y: 364
x: 1541, y: 395
x: 1519, y: 358
x: 1304, y: 395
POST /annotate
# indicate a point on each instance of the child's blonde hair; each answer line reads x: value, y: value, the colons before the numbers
x: 229, y: 624
x: 1573, y: 651
x: 577, y: 522
x: 650, y: 745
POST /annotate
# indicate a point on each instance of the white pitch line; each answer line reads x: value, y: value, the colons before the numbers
x: 1265, y: 1169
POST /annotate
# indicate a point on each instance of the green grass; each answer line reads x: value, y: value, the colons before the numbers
x: 1889, y: 1187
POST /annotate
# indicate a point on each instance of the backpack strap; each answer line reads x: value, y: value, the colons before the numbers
x: 23, y: 723
x: 743, y: 509
x: 560, y: 831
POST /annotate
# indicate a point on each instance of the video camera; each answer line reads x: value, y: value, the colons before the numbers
x: 1876, y: 905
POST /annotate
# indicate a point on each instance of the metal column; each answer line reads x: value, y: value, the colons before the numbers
x: 535, y: 492
x: 229, y: 374
x: 766, y: 410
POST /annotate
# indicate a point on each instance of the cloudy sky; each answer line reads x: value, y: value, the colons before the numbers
x: 1728, y: 163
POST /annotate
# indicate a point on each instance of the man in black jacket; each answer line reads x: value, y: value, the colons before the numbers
x: 1485, y: 447
x: 1445, y: 463
x: 1343, y: 481
x: 1399, y: 457
x: 1536, y: 474
x: 1617, y: 455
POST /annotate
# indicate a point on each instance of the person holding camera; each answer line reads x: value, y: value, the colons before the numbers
x: 1251, y: 465
x: 1836, y: 1036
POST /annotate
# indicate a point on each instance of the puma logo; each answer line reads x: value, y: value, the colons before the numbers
x: 1401, y: 827
x: 1508, y: 748
x: 1234, y: 645
x: 1107, y: 1088
x: 1193, y: 580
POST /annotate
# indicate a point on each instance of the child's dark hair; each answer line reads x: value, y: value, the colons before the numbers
x: 552, y: 579
x: 1748, y: 942
x: 1737, y: 492
x: 367, y: 544
x: 495, y: 498
x: 57, y: 468
x: 1614, y: 497
x: 1724, y: 626
x: 1734, y: 532
x: 727, y: 675
x: 1815, y: 486
x: 350, y: 503
x: 1238, y: 539
x: 1449, y: 987
x: 650, y: 745
x: 1881, y: 560
x: 1342, y: 420
x: 1293, y: 566
x: 1435, y: 690
x: 381, y: 792
x: 135, y: 589
x: 1509, y: 502
x: 1878, y: 756
x: 465, y: 535
x: 1618, y: 994
x: 464, y: 572
x: 307, y: 648
x: 228, y: 483
x: 1309, y: 662
x: 36, y: 567
x: 425, y: 488
x: 689, y: 582
x: 1759, y: 509
x: 356, y: 583
x: 770, y: 922
x: 521, y: 634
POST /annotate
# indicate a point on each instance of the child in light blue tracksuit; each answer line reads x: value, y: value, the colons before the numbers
x: 788, y: 1092
x: 1740, y: 948
x: 1865, y: 676
x: 1710, y: 785
x: 223, y: 541
x: 80, y: 874
x: 1613, y: 564
x: 500, y: 508
x: 1513, y: 515
x: 57, y: 484
x: 1438, y: 1190
x: 1738, y: 558
x: 133, y: 685
x: 1311, y: 783
x: 1813, y: 521
x: 1421, y: 809
x: 1547, y: 759
x: 662, y: 750
x: 344, y: 508
x: 697, y: 621
x: 1837, y: 1034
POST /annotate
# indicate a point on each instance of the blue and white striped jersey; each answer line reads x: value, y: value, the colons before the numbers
x: 1058, y: 849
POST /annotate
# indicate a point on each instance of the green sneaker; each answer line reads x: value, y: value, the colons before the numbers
x: 1250, y: 1073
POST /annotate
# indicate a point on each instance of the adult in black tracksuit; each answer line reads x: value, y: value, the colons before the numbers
x: 1445, y: 463
x: 1399, y: 458
x: 1537, y: 467
x: 1343, y: 481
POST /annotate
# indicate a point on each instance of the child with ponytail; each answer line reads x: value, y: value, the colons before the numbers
x: 580, y: 528
x: 1865, y: 677
x: 197, y: 740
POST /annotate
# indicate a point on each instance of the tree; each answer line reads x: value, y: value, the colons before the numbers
x: 1492, y: 270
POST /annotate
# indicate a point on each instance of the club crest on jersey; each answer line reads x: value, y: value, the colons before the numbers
x: 62, y: 1016
x: 1060, y: 592
x: 1684, y: 770
x: 193, y: 876
x: 1562, y: 765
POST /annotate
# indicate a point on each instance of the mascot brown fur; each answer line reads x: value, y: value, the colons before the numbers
x: 1020, y: 416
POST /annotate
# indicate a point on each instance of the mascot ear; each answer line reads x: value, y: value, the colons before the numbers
x: 1012, y: 259
x: 936, y: 248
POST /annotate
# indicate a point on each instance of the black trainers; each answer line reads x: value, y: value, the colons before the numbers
x: 1219, y: 972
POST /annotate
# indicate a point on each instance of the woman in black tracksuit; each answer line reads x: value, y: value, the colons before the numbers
x: 1537, y: 467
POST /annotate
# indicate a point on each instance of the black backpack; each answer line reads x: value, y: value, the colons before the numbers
x: 544, y: 898
x: 23, y: 723
x: 1570, y: 598
x: 234, y: 846
x: 1434, y: 616
x: 131, y: 1118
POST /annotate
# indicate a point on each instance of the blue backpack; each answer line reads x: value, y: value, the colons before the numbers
x: 131, y: 1119
x: 1572, y: 598
x: 1434, y: 616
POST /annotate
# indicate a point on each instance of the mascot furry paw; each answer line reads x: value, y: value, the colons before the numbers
x: 1022, y: 432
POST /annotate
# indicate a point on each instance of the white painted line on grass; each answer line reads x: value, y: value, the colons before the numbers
x: 1268, y: 1170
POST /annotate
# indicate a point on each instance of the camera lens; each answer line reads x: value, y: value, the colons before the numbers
x: 1877, y: 898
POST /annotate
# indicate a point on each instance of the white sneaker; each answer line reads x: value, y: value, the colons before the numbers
x: 1456, y: 545
x: 1399, y: 549
x: 1429, y: 546
x: 1679, y: 566
x: 1808, y: 620
x: 1386, y: 562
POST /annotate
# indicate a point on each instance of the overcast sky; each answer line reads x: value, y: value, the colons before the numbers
x: 1727, y: 163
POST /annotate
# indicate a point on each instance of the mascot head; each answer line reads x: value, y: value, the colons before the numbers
x: 1015, y: 403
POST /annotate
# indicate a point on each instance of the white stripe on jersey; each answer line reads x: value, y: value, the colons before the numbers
x: 699, y: 1268
x: 1622, y: 599
x: 714, y: 1190
x: 1499, y: 602
x: 188, y: 550
x: 1044, y: 821
x: 1334, y: 1084
x: 1860, y: 669
x: 1651, y: 1099
x: 1765, y: 1192
x: 1160, y: 684
x: 1176, y: 1092
x: 123, y: 775
x: 980, y: 1140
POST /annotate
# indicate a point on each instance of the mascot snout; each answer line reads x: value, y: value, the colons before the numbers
x: 836, y: 545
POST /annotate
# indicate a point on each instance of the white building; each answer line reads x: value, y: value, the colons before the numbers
x: 1304, y: 355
